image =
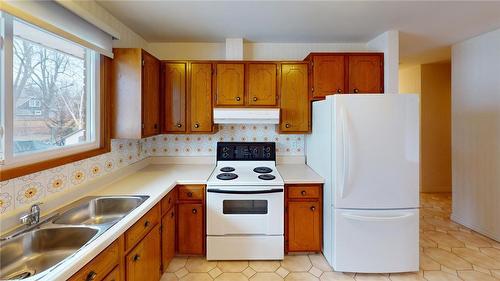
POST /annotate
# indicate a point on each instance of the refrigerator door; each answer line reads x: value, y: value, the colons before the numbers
x: 376, y: 241
x: 376, y: 152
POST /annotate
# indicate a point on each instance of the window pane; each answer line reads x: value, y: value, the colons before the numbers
x: 50, y: 96
x: 245, y: 207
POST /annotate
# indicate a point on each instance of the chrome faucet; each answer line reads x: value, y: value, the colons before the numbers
x: 33, y: 217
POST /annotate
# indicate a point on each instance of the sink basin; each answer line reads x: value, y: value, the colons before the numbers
x: 36, y: 251
x: 99, y: 210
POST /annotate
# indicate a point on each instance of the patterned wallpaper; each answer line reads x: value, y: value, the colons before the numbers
x: 26, y: 190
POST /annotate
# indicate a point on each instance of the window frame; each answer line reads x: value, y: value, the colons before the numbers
x: 20, y: 165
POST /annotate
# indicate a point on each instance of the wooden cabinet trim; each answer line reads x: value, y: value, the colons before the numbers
x: 142, y: 227
x: 100, y: 266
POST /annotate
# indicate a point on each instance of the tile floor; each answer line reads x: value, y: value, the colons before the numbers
x: 449, y: 252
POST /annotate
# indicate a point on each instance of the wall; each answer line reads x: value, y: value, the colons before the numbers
x: 388, y: 42
x: 410, y: 79
x: 476, y: 133
x: 435, y: 147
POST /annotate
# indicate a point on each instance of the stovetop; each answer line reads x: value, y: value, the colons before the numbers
x: 244, y: 174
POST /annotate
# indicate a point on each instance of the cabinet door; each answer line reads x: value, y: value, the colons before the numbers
x: 150, y: 95
x: 366, y: 74
x: 190, y: 229
x: 143, y: 261
x: 261, y: 84
x: 230, y: 84
x: 200, y: 108
x: 168, y: 237
x: 304, y: 226
x: 295, y: 105
x: 174, y: 97
x: 328, y: 75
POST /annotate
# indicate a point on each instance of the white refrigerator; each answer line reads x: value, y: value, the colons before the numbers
x: 366, y: 146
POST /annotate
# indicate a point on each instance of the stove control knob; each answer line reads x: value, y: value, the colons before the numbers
x: 268, y: 155
x: 225, y: 155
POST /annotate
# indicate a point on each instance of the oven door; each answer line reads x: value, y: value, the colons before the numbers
x: 245, y: 210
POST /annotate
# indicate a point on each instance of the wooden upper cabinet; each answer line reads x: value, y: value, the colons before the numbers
x: 294, y: 97
x: 366, y: 73
x: 150, y: 95
x: 261, y: 84
x: 174, y: 97
x: 328, y: 75
x: 230, y: 84
x: 200, y: 97
x: 135, y: 95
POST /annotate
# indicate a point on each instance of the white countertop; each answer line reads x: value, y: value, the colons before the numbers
x: 156, y: 180
x: 298, y: 173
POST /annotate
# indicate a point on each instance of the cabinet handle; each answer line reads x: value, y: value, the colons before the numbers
x: 146, y: 224
x: 91, y: 276
x: 303, y: 192
x: 136, y: 257
x: 254, y: 98
x: 155, y: 126
x: 178, y: 125
x: 238, y: 98
x: 172, y: 214
x: 169, y: 200
x: 339, y: 90
x: 197, y: 125
x: 356, y: 90
x: 190, y: 194
x: 287, y: 125
x: 313, y: 208
x: 194, y: 211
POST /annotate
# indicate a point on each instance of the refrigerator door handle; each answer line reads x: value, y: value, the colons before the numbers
x: 346, y: 151
x: 375, y: 218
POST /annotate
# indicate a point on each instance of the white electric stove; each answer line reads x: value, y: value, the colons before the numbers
x: 245, y: 203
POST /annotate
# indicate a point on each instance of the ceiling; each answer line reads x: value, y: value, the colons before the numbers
x: 427, y: 28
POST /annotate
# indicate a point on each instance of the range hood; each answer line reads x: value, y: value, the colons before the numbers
x: 246, y: 115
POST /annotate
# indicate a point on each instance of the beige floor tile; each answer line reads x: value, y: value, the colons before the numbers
x: 176, y: 264
x: 296, y: 263
x: 478, y: 258
x: 181, y: 272
x: 449, y: 270
x: 249, y: 272
x: 447, y: 259
x: 200, y: 264
x: 440, y: 276
x: 444, y: 224
x: 320, y: 262
x: 215, y: 272
x: 336, y: 276
x: 426, y: 263
x: 444, y: 239
x: 300, y: 276
x: 409, y: 276
x: 231, y: 276
x: 496, y: 273
x: 475, y: 276
x: 371, y: 277
x: 232, y: 266
x: 196, y: 277
x: 283, y: 272
x: 264, y: 266
x: 481, y: 269
x: 470, y: 239
x: 168, y: 276
x: 315, y: 271
x: 266, y: 276
x: 427, y: 243
x: 492, y: 252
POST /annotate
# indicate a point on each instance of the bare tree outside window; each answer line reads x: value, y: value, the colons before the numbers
x: 49, y: 94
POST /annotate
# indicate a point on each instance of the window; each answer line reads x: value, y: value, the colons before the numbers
x: 49, y: 96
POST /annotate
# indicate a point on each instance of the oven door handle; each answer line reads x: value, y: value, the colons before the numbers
x: 274, y: 190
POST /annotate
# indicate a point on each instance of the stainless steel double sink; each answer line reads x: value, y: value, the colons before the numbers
x: 31, y: 252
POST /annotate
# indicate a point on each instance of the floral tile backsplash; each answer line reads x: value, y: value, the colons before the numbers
x: 25, y: 190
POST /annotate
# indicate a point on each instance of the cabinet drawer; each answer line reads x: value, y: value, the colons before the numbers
x: 304, y: 191
x: 100, y: 266
x: 113, y: 275
x: 191, y: 192
x: 142, y: 227
x: 168, y: 201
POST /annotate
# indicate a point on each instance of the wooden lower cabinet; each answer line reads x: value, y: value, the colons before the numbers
x: 191, y: 231
x: 303, y: 227
x: 168, y: 238
x: 113, y: 275
x: 98, y: 268
x: 143, y: 262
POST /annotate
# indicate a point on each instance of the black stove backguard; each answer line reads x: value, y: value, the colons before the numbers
x: 246, y: 151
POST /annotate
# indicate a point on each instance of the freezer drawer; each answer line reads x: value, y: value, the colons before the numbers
x: 376, y: 241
